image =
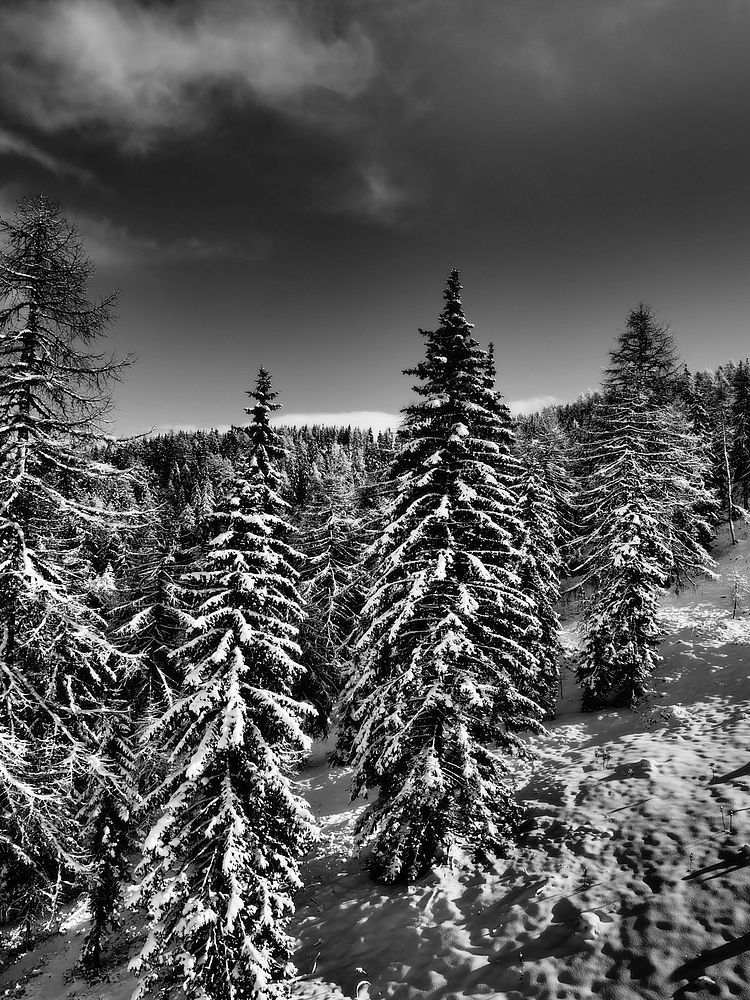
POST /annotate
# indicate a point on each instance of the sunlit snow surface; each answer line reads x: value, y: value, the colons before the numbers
x: 629, y: 886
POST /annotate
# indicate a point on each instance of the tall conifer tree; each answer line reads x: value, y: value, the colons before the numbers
x: 645, y: 365
x: 106, y: 818
x: 740, y: 430
x: 640, y: 485
x: 540, y: 574
x: 151, y: 623
x: 221, y: 860
x: 56, y: 662
x: 445, y: 671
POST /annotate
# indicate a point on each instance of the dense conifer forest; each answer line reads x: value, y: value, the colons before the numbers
x: 183, y: 614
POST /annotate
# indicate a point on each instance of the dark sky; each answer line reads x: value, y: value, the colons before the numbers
x: 289, y: 183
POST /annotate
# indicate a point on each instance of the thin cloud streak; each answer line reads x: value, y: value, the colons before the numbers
x: 112, y: 246
x: 12, y: 144
x: 380, y: 199
x: 146, y: 70
x: 374, y: 192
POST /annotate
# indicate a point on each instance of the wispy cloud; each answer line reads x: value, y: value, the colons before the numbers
x: 615, y: 15
x: 113, y: 246
x: 554, y: 52
x: 376, y: 419
x: 539, y: 59
x: 373, y: 192
x: 530, y: 405
x: 12, y: 144
x: 381, y: 198
x: 143, y: 69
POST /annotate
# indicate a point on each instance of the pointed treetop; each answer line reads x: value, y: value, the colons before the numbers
x: 453, y: 286
x: 266, y: 447
x: 645, y: 349
x: 263, y: 396
x: 453, y: 313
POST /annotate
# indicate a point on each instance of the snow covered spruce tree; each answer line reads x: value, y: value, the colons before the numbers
x: 151, y: 623
x: 707, y: 424
x: 56, y: 662
x: 540, y: 574
x: 739, y: 457
x: 329, y: 535
x: 221, y: 859
x: 645, y: 358
x: 106, y: 818
x: 639, y: 487
x: 444, y: 672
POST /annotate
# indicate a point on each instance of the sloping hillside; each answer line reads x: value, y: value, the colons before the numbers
x: 633, y: 881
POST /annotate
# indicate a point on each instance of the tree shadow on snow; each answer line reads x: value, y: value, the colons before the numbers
x: 697, y: 966
x: 732, y: 860
x: 740, y: 772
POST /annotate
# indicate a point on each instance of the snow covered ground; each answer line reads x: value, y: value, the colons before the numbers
x: 633, y: 881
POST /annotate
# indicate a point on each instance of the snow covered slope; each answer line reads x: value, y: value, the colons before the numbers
x: 629, y: 884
